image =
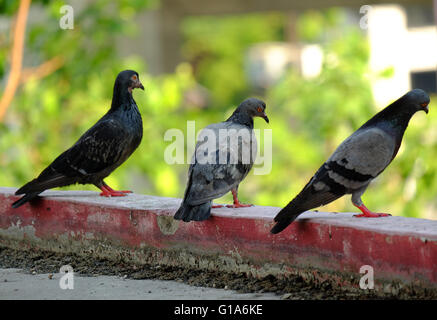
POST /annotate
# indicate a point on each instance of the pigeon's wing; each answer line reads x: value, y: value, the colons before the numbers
x: 361, y: 157
x: 211, y: 181
x: 355, y: 163
x: 352, y: 166
x: 220, y: 166
x: 100, y: 147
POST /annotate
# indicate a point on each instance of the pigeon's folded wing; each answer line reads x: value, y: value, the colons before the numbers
x: 211, y: 181
x: 99, y: 148
x: 361, y: 157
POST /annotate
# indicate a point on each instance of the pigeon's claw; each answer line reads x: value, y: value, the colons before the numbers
x: 112, y: 190
x: 372, y: 215
x: 113, y: 194
x: 366, y: 213
x: 107, y: 191
x: 237, y: 203
x: 215, y: 206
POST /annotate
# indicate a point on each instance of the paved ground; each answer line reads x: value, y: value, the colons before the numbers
x: 35, y: 274
x: 18, y: 285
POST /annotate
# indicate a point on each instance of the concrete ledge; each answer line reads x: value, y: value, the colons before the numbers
x: 140, y: 228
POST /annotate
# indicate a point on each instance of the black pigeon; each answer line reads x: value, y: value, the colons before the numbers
x: 222, y: 159
x: 357, y: 161
x: 100, y: 150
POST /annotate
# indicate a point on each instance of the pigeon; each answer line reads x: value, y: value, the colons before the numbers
x: 224, y: 154
x: 357, y: 161
x: 100, y: 150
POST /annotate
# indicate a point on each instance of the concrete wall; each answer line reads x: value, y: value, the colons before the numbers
x: 321, y: 246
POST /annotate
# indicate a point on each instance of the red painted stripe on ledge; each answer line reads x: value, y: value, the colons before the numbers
x: 398, y: 248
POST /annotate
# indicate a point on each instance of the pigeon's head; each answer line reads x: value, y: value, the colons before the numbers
x: 254, y: 107
x: 418, y: 99
x: 129, y: 79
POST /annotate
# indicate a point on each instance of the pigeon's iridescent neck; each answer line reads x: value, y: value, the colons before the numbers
x: 121, y: 96
x: 396, y: 116
x: 241, y: 118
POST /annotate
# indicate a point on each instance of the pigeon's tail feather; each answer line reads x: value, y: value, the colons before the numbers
x: 46, y: 180
x: 307, y: 199
x: 287, y: 215
x: 24, y: 199
x: 193, y: 213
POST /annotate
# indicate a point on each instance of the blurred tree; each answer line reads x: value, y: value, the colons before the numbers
x: 48, y: 114
x: 216, y: 47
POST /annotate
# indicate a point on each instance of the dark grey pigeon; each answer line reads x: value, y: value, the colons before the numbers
x: 357, y: 161
x: 224, y: 154
x: 100, y: 150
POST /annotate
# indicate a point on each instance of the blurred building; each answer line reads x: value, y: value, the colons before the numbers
x: 402, y: 38
x: 403, y: 45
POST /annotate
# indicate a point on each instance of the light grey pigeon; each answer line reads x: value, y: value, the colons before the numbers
x: 224, y: 154
x: 357, y: 161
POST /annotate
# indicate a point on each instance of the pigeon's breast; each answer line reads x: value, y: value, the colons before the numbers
x: 132, y: 132
x: 133, y: 124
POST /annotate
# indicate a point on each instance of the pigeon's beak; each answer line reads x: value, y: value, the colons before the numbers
x: 140, y: 85
x: 264, y: 116
x: 425, y: 107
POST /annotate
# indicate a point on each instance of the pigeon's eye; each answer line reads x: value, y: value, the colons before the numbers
x: 134, y: 77
x: 424, y: 104
x: 259, y: 109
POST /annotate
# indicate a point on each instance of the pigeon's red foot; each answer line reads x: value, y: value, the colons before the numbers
x: 109, y: 192
x: 112, y: 194
x: 238, y: 205
x: 372, y: 215
x: 366, y: 213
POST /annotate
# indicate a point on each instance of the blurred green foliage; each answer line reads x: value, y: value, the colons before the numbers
x: 216, y: 47
x: 309, y: 117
